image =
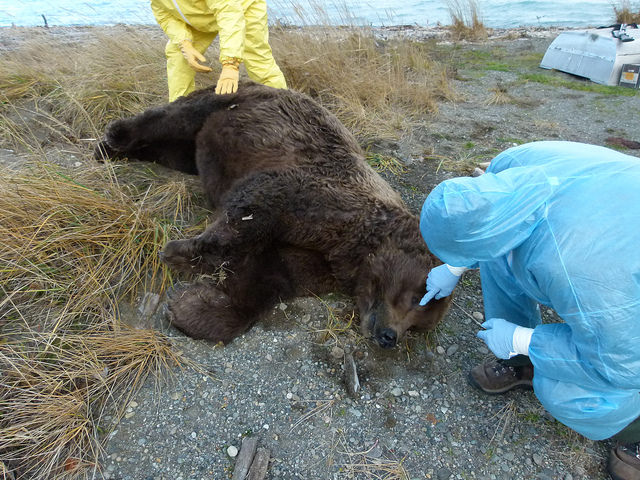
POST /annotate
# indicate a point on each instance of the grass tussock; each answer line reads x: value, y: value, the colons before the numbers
x: 78, y: 239
x: 74, y: 245
x: 624, y: 12
x: 376, y: 88
x: 87, y: 83
x: 57, y: 389
x: 465, y: 20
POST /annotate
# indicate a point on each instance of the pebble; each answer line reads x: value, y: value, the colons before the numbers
x: 396, y: 392
x: 337, y: 353
x: 452, y: 349
x: 478, y: 316
x: 537, y: 459
x: 443, y: 474
x: 440, y: 349
x: 232, y: 451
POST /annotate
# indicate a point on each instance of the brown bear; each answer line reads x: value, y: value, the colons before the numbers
x: 298, y: 212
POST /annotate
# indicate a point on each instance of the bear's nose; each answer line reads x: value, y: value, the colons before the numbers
x: 387, y: 338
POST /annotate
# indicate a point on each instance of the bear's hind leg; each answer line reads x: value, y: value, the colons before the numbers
x: 204, y: 312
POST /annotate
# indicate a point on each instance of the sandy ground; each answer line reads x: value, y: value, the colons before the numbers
x: 415, y: 416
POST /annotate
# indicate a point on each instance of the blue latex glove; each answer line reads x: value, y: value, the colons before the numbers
x: 499, y: 337
x: 440, y: 283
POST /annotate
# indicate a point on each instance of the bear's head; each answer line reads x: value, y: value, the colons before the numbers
x: 391, y: 285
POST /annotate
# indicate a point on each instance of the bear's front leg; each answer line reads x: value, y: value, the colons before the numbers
x: 204, y: 253
x: 181, y: 255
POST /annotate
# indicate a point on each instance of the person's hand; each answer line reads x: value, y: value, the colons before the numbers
x: 440, y: 283
x: 192, y: 56
x: 499, y: 337
x: 228, y: 81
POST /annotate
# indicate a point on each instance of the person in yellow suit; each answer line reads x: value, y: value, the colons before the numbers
x: 192, y: 25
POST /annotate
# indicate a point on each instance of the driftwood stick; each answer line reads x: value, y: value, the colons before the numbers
x: 260, y: 465
x: 245, y: 458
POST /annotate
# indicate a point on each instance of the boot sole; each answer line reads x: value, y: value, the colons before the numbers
x: 523, y: 385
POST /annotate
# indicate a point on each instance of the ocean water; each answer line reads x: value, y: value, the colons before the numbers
x: 493, y: 13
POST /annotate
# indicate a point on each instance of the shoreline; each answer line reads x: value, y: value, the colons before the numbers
x: 13, y: 36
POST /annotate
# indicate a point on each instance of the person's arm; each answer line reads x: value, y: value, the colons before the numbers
x: 555, y: 354
x: 231, y: 24
x: 175, y: 29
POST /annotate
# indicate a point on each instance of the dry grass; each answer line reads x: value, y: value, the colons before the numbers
x: 57, y: 388
x: 624, y: 12
x: 75, y: 244
x: 376, y: 88
x: 76, y: 239
x: 501, y: 96
x: 465, y: 20
x: 362, y: 464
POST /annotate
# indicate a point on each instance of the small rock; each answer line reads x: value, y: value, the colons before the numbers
x: 282, y: 306
x: 443, y: 473
x: 452, y: 349
x: 413, y: 393
x: 149, y: 304
x: 375, y: 452
x: 478, y: 316
x: 337, y: 353
x: 232, y: 451
x: 537, y: 459
x: 440, y: 349
x: 477, y: 172
x: 396, y: 392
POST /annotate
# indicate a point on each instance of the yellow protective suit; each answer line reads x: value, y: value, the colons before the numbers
x: 241, y: 26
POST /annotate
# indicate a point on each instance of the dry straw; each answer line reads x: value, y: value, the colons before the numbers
x: 73, y: 245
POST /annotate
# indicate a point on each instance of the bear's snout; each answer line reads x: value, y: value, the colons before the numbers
x: 387, y: 338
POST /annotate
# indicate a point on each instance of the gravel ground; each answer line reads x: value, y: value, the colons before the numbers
x: 415, y: 416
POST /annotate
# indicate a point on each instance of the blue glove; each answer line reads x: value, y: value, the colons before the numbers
x: 499, y: 337
x: 440, y: 283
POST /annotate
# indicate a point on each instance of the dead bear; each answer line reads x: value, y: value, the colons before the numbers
x: 298, y: 212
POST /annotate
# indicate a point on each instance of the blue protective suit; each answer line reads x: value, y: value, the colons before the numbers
x: 558, y: 224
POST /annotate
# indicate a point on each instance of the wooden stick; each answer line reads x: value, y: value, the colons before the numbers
x: 260, y: 465
x: 245, y: 458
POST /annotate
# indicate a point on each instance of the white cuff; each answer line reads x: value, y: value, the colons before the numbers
x: 521, y: 340
x: 457, y: 271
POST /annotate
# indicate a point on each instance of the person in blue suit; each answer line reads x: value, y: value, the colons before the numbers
x: 557, y: 224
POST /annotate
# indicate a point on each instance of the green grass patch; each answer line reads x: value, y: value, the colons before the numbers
x: 555, y: 81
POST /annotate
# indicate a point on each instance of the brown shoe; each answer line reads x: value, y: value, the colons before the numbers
x: 495, y: 376
x: 624, y: 462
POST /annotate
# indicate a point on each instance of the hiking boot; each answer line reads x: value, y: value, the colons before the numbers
x: 496, y: 376
x: 624, y: 462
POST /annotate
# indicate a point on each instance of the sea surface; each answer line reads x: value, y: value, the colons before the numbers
x: 493, y: 13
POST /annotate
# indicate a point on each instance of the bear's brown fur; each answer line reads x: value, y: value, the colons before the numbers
x: 299, y: 212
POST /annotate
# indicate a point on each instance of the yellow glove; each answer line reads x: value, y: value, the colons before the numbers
x: 192, y: 56
x: 228, y: 81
